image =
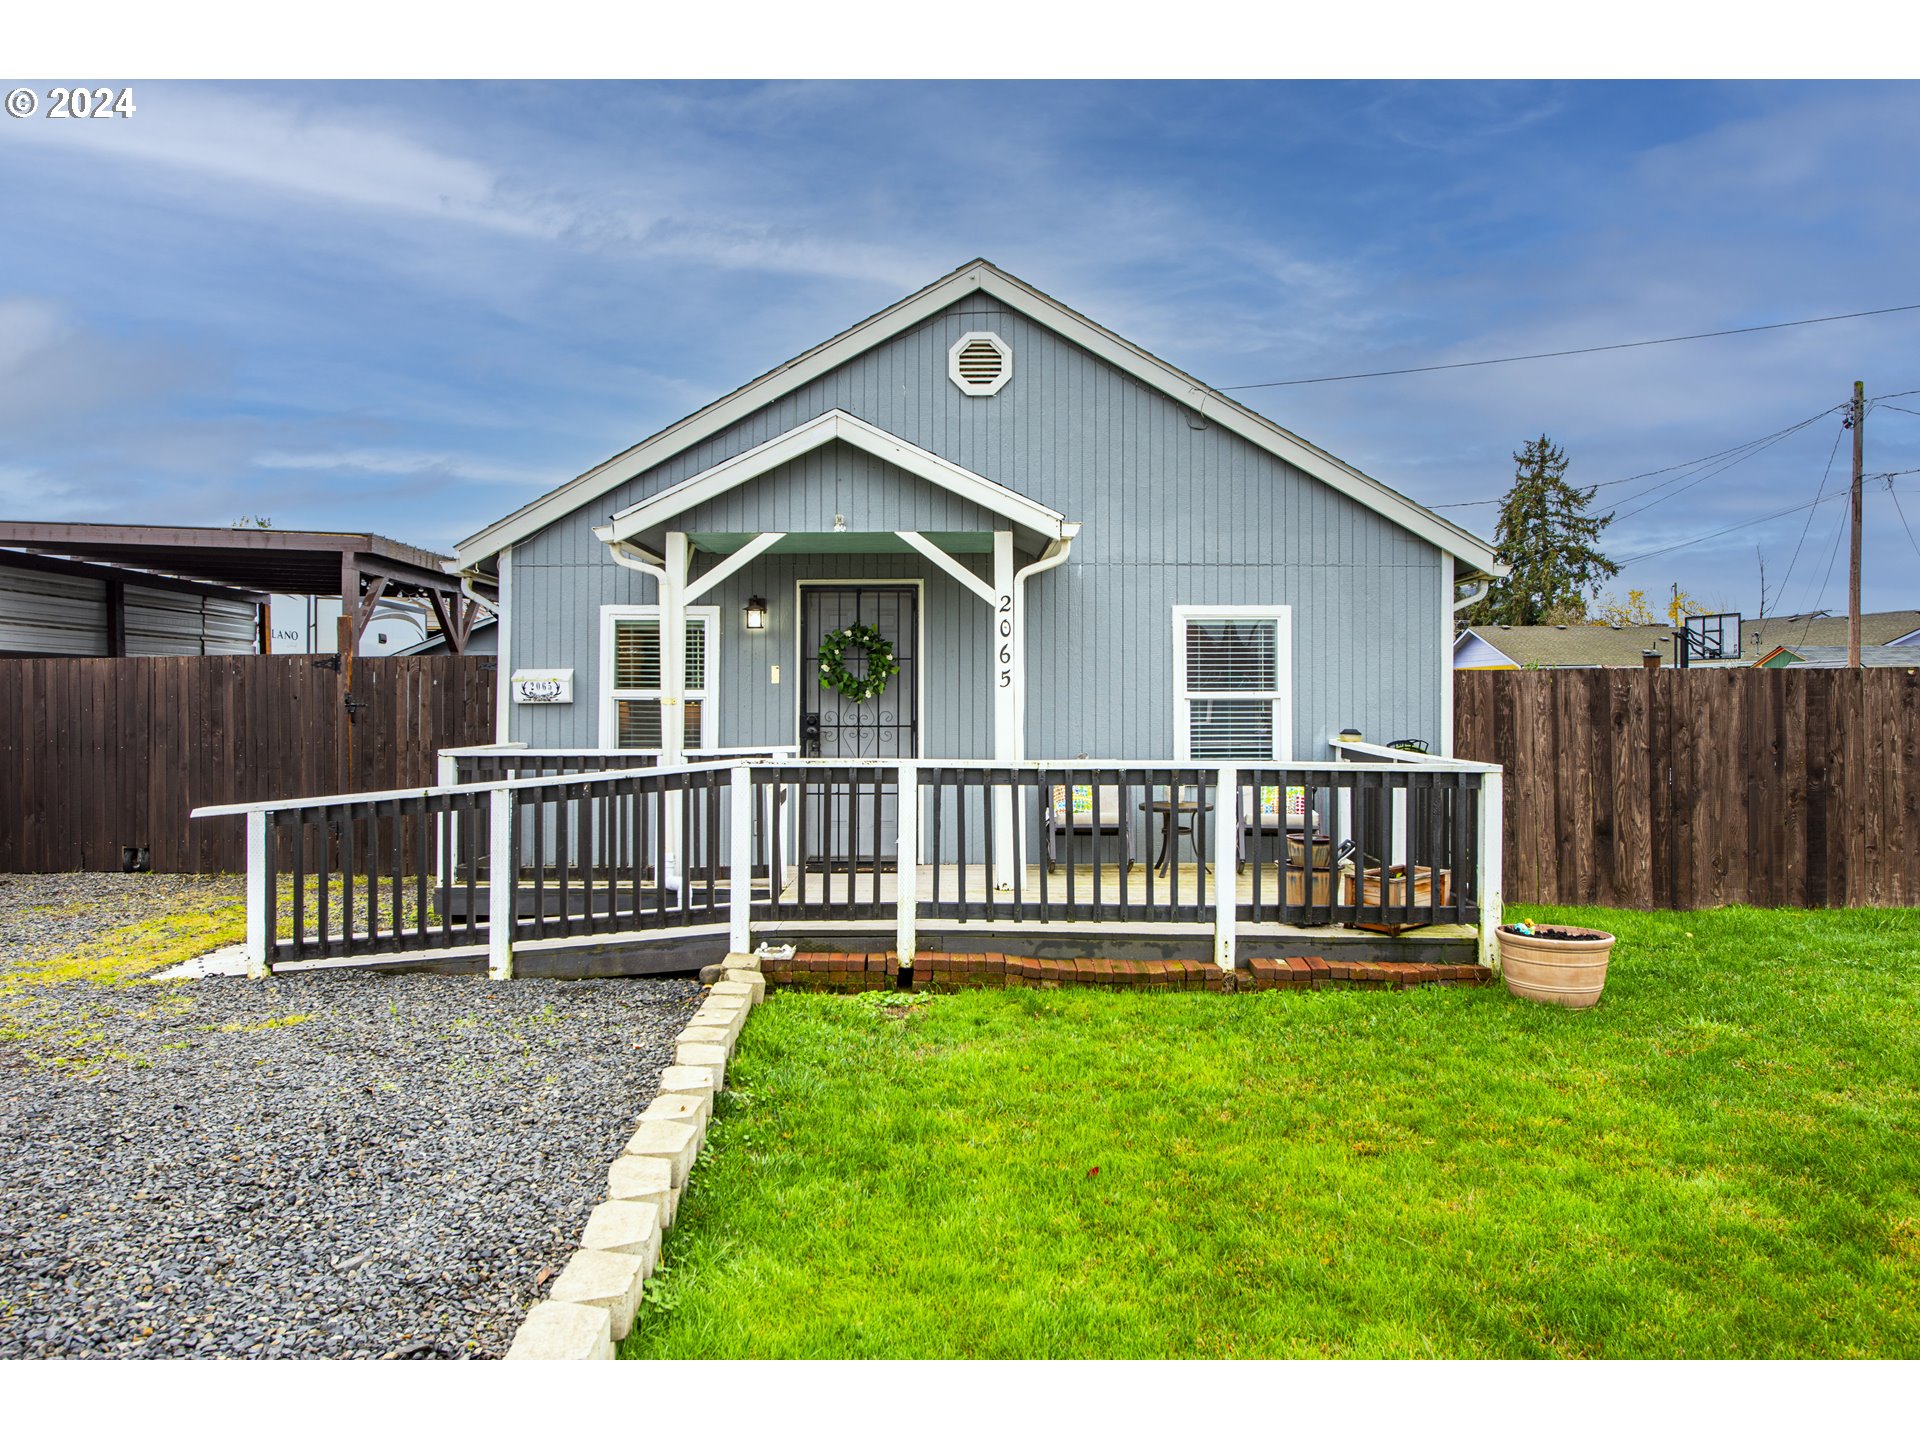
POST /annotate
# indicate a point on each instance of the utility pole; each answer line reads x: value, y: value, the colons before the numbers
x: 1853, y: 574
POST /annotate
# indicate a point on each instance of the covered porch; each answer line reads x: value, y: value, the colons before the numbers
x: 838, y: 503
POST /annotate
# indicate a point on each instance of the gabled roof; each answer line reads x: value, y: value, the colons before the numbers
x: 1603, y: 645
x: 982, y: 277
x: 1834, y: 657
x: 825, y: 430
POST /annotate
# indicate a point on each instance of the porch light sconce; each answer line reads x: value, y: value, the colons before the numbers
x: 756, y: 613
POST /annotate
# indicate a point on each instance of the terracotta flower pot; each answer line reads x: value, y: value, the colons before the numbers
x: 1559, y: 967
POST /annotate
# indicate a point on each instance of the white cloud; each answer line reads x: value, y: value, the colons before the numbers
x: 300, y: 149
x: 410, y: 465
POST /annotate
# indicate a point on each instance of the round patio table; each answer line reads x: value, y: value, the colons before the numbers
x: 1178, y: 817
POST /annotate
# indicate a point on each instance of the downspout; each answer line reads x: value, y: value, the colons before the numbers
x: 634, y: 558
x: 1055, y: 554
x: 1478, y: 594
x: 492, y: 607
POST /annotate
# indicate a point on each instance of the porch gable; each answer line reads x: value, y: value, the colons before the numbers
x: 676, y: 502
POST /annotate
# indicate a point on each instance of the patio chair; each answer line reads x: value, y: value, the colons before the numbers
x: 1266, y: 817
x: 1106, y: 816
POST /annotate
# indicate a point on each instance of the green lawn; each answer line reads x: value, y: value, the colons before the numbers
x: 1722, y: 1159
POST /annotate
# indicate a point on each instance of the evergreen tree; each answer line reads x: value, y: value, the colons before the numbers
x: 1547, y: 538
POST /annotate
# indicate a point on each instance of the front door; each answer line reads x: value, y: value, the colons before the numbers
x: 843, y: 823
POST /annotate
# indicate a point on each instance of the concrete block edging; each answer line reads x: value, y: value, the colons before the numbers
x: 596, y: 1298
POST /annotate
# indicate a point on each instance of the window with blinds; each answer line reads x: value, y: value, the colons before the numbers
x: 635, y: 683
x: 1229, y: 687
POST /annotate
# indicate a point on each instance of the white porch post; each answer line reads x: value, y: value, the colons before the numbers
x: 740, y: 862
x: 447, y: 841
x: 260, y: 903
x: 1226, y: 861
x: 1443, y: 742
x: 673, y: 689
x: 503, y: 661
x: 1009, y: 681
x: 1492, y: 838
x: 673, y: 652
x: 907, y: 870
x: 503, y: 884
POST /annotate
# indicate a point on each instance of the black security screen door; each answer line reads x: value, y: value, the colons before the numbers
x: 834, y: 727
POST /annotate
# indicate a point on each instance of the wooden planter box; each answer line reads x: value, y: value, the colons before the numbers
x: 1393, y: 887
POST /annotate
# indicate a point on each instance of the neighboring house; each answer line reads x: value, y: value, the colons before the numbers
x: 1554, y: 647
x: 1072, y: 547
x: 55, y: 608
x: 1903, y: 656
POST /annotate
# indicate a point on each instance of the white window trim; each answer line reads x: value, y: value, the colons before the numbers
x: 961, y: 383
x: 1283, y: 670
x: 610, y: 615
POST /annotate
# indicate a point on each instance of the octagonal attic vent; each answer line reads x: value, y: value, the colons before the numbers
x: 980, y: 363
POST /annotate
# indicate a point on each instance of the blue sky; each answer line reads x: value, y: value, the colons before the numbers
x: 411, y: 308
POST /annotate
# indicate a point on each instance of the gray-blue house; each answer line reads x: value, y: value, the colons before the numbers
x: 1072, y: 547
x: 948, y: 624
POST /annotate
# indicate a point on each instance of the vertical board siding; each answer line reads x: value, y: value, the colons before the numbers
x: 100, y: 754
x: 1675, y: 789
x: 1175, y: 511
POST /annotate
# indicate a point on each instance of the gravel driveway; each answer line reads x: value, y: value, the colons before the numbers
x: 342, y: 1164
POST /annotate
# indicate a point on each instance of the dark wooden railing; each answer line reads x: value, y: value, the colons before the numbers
x: 1392, y: 843
x: 593, y: 854
x: 830, y: 858
x: 359, y: 875
x: 404, y: 871
x: 1017, y: 843
x: 1392, y: 846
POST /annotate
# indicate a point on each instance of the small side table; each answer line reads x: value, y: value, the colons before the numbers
x: 1179, y: 817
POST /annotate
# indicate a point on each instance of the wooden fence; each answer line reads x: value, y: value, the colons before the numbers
x: 1679, y: 789
x: 96, y: 755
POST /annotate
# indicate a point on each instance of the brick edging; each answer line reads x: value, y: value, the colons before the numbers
x: 880, y: 970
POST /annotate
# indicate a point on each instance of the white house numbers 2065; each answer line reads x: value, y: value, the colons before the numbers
x: 1004, y: 653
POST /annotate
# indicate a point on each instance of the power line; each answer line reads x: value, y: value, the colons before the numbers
x: 1758, y: 442
x: 1710, y: 474
x: 1819, y: 493
x: 1747, y: 524
x: 1583, y: 350
x: 1827, y: 579
x: 1744, y: 524
x: 1901, y: 512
